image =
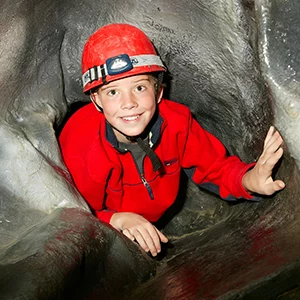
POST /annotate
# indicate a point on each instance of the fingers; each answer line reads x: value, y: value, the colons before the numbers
x: 269, y: 161
x: 148, y: 242
x: 259, y: 179
x: 269, y: 134
x: 127, y: 233
x: 273, y: 140
x: 272, y: 151
x: 148, y: 237
x: 274, y: 158
x: 136, y: 227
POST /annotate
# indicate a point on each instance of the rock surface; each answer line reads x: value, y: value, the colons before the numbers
x: 235, y: 64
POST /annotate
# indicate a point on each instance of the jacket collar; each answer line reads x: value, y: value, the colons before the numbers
x: 154, y: 133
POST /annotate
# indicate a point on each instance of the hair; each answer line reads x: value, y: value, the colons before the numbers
x: 158, y: 81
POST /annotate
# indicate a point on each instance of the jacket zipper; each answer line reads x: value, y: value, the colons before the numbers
x: 147, y: 185
x: 144, y: 181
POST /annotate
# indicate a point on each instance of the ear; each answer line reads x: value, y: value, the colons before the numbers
x: 160, y: 94
x: 96, y: 100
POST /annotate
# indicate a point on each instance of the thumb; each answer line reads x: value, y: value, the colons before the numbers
x: 280, y: 184
x: 162, y: 237
x: 273, y: 187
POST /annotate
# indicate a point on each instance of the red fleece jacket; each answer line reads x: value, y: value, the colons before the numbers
x: 108, y: 179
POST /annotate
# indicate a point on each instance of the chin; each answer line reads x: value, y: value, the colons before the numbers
x: 133, y: 134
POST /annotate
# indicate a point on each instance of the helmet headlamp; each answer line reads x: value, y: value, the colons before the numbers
x: 119, y: 64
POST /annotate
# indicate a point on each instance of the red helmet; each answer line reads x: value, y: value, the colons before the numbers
x: 117, y: 51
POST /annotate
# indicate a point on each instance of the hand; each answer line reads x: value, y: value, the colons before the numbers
x: 135, y: 227
x: 259, y: 179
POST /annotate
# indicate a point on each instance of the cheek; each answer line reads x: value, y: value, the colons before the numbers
x: 147, y: 100
x: 109, y: 109
x: 151, y: 105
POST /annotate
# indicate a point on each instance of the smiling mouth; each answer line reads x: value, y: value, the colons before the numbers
x: 131, y: 118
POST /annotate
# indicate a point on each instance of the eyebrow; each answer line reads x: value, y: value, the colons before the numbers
x: 142, y: 79
x: 105, y: 87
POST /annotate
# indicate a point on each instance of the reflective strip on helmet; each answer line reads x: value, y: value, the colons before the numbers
x: 146, y: 60
x: 98, y: 72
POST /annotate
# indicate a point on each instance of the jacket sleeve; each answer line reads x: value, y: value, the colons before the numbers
x: 205, y: 161
x: 80, y: 155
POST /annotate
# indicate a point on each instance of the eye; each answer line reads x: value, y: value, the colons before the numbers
x: 140, y: 88
x: 112, y: 92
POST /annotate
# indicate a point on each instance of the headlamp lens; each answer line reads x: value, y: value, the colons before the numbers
x: 118, y: 64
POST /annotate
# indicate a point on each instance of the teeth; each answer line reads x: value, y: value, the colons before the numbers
x: 130, y: 118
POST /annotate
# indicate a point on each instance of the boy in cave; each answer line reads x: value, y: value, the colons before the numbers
x: 125, y: 150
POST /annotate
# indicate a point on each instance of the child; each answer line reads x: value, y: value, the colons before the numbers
x: 125, y: 156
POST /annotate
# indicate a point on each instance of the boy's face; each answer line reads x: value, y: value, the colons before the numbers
x: 128, y: 104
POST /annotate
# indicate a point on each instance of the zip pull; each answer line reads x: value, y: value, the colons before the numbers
x: 148, y: 187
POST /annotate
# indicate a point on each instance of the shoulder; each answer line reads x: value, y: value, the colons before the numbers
x: 174, y: 112
x: 87, y: 113
x: 82, y: 126
x: 173, y: 107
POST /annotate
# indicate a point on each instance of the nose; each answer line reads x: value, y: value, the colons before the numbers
x: 129, y: 101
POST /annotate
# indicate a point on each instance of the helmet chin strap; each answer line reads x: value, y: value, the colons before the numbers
x: 155, y: 161
x: 98, y: 107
